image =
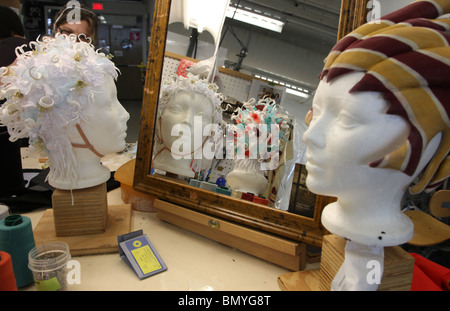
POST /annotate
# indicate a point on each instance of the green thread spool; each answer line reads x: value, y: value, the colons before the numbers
x: 16, y: 238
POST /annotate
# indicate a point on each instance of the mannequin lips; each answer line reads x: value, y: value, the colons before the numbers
x: 123, y: 129
x: 312, y: 159
x: 313, y: 166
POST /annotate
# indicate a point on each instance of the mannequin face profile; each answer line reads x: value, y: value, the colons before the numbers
x: 379, y: 128
x: 105, y: 124
x: 347, y: 132
x: 65, y: 102
x: 104, y: 127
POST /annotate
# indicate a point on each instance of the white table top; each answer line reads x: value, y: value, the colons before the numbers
x: 194, y: 263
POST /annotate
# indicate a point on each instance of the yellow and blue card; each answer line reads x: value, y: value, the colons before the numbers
x: 139, y: 253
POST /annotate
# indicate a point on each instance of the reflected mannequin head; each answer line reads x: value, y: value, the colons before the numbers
x: 63, y: 97
x: 260, y: 132
x: 186, y: 106
x: 380, y: 124
x: 182, y: 108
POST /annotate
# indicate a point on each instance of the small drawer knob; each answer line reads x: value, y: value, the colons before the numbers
x: 213, y: 224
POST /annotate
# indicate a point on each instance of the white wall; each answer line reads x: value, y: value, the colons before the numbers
x: 266, y: 54
x: 275, y: 56
x: 287, y: 60
x: 179, y: 44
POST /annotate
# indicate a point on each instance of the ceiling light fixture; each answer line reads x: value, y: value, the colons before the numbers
x: 297, y: 93
x: 254, y: 19
x: 291, y: 89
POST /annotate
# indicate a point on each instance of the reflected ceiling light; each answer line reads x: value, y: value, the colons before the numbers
x: 296, y: 93
x: 291, y: 89
x: 254, y: 19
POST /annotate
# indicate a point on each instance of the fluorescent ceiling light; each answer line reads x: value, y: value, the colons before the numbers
x: 297, y: 93
x: 291, y: 89
x: 255, y: 19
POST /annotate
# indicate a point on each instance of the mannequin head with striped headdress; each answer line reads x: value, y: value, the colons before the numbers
x: 388, y: 84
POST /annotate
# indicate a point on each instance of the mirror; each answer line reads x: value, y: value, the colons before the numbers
x: 303, y: 228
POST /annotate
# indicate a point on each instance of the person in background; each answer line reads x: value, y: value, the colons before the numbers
x: 12, y: 35
x: 87, y: 27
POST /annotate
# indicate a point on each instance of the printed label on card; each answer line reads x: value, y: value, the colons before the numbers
x: 141, y: 255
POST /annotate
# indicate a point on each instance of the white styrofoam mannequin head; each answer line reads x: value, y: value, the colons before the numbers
x: 347, y: 132
x: 247, y: 176
x: 181, y: 109
x: 260, y: 132
x: 188, y: 106
x: 104, y: 127
x: 380, y: 126
x: 62, y: 96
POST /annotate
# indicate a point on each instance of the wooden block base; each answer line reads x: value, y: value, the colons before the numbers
x: 308, y: 280
x: 119, y: 223
x: 80, y: 211
x: 397, y: 275
x: 283, y: 252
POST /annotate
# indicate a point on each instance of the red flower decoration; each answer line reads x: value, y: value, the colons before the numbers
x: 255, y: 117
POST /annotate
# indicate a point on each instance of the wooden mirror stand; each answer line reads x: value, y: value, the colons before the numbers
x: 275, y: 235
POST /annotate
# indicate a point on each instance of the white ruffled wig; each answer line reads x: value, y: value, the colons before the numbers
x: 47, y: 91
x: 263, y: 112
x: 190, y: 84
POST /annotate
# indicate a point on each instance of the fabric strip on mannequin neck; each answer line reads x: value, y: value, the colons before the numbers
x: 87, y: 144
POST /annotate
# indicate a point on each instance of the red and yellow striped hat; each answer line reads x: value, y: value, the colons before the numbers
x: 405, y: 56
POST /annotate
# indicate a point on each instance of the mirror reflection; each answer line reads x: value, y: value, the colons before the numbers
x: 187, y: 106
x: 237, y: 130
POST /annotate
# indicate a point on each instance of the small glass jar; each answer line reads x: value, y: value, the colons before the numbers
x: 48, y: 262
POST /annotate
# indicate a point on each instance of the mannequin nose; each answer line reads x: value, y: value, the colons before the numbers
x: 121, y: 112
x: 188, y: 119
x: 315, y: 135
x: 126, y: 116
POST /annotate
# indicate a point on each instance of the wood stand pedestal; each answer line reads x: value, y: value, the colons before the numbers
x: 80, y: 211
x: 283, y: 252
x: 397, y: 276
x: 83, y: 219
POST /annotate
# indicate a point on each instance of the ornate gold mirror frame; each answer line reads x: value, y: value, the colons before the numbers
x: 282, y: 223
